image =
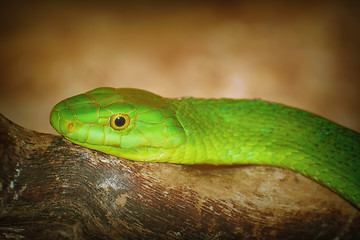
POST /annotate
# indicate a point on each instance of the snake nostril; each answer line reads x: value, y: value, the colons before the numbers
x: 70, y: 127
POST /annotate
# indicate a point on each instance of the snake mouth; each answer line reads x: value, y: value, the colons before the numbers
x: 55, y: 120
x: 143, y: 154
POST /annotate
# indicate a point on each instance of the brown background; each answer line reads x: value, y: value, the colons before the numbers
x: 302, y: 54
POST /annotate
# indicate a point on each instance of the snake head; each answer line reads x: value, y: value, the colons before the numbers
x: 129, y: 123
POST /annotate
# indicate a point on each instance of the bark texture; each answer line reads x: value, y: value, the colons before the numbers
x: 53, y: 189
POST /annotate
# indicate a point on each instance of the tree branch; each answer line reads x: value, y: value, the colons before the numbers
x: 53, y: 189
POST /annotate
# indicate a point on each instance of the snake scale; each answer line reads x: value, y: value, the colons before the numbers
x: 142, y: 126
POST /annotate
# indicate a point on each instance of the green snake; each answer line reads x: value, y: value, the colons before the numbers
x: 142, y: 126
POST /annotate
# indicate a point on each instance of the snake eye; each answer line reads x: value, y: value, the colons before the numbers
x: 119, y: 121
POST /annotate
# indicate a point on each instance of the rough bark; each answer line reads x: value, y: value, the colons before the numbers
x: 53, y: 189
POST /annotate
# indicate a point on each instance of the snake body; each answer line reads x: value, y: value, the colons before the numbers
x: 142, y: 126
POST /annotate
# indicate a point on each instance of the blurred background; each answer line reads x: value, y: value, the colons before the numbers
x: 303, y: 54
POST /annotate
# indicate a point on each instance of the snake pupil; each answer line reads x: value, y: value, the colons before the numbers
x: 120, y: 121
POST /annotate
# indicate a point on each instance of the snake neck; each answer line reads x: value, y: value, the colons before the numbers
x: 226, y: 131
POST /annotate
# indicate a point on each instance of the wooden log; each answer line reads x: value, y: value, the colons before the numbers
x: 53, y: 189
